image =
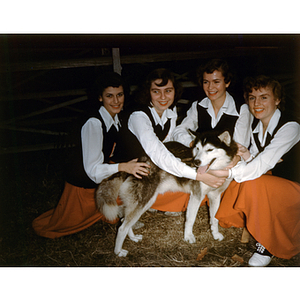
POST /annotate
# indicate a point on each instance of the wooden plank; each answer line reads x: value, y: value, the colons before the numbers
x: 128, y: 59
x: 48, y: 109
x: 47, y: 121
x: 116, y: 60
x: 40, y: 95
x: 58, y: 64
x: 30, y: 148
x: 33, y: 130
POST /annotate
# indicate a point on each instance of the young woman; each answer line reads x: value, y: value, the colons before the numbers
x: 218, y: 111
x: 269, y: 206
x: 89, y: 165
x: 152, y: 123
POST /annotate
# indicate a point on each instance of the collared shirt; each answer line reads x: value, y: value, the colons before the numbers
x: 241, y: 134
x: 259, y: 163
x: 92, y: 145
x: 228, y: 107
x: 140, y: 125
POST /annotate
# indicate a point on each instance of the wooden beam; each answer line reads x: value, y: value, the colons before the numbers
x: 47, y: 121
x: 48, y: 109
x: 58, y: 64
x: 30, y: 148
x: 40, y: 95
x: 128, y: 59
x: 32, y: 130
x: 116, y: 60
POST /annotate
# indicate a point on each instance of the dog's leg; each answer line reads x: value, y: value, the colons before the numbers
x: 134, y: 237
x: 138, y: 213
x: 124, y: 230
x: 121, y: 235
x: 191, y: 213
x: 214, y: 203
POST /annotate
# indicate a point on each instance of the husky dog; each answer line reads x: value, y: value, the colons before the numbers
x: 210, y: 151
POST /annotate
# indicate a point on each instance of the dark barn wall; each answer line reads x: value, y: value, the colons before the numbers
x: 40, y: 72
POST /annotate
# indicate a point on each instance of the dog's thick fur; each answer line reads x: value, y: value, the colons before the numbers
x: 138, y: 195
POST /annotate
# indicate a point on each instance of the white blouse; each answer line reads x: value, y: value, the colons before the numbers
x: 140, y: 125
x: 259, y: 163
x: 241, y: 132
x: 92, y: 145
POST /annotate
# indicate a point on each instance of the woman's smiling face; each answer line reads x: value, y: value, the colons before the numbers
x: 113, y: 99
x: 262, y: 104
x: 162, y: 97
x: 214, y: 86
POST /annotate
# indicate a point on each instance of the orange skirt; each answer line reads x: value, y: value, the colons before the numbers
x: 171, y: 201
x: 269, y: 207
x: 174, y: 201
x: 75, y: 211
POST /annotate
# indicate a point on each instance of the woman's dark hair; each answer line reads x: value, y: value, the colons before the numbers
x: 101, y: 83
x: 143, y: 95
x: 262, y: 81
x: 215, y: 65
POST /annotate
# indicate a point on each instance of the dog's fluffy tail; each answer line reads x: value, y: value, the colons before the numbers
x: 107, y: 194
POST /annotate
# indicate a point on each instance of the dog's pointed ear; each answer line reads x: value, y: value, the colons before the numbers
x: 192, y: 133
x: 225, y: 137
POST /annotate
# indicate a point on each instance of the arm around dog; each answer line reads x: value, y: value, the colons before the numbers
x: 225, y: 173
x: 140, y: 125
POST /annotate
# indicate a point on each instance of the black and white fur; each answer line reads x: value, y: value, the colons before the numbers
x: 138, y: 195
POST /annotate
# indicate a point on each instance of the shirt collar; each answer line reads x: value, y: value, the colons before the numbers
x: 272, y: 124
x: 167, y: 114
x: 270, y: 129
x: 108, y: 119
x: 228, y: 107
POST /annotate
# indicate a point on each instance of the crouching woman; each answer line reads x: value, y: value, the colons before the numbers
x: 267, y: 205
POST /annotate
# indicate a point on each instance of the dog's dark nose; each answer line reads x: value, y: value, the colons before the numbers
x: 197, y: 162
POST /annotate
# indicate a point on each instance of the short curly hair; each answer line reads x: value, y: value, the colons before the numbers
x: 108, y: 79
x: 143, y: 95
x: 263, y: 81
x: 103, y: 81
x: 215, y: 65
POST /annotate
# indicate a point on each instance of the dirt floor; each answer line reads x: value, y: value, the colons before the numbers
x: 32, y: 184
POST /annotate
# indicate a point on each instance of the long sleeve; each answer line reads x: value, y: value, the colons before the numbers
x: 242, y: 127
x: 285, y: 138
x: 180, y: 133
x: 140, y: 125
x: 93, y: 157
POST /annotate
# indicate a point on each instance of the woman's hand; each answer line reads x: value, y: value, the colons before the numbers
x: 138, y: 169
x: 225, y: 173
x: 211, y: 180
x: 215, y: 178
x: 243, y: 152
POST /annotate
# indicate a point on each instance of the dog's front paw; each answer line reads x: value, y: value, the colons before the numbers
x: 190, y: 238
x: 122, y: 253
x: 137, y: 237
x: 218, y: 236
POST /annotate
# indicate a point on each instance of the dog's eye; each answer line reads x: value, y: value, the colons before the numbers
x: 209, y: 150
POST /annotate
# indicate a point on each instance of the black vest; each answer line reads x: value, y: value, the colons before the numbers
x: 129, y: 147
x: 227, y: 122
x: 289, y: 168
x: 74, y: 171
